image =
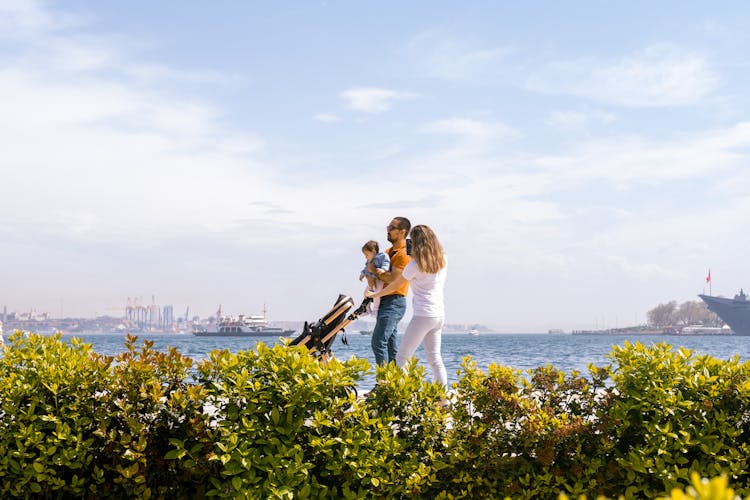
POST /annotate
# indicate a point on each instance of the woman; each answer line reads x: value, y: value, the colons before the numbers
x: 426, y: 273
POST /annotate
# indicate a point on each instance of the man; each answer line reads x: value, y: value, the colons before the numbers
x: 392, y: 307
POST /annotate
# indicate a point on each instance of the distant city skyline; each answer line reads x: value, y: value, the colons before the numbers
x: 581, y: 163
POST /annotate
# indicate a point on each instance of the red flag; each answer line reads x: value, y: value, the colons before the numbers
x: 708, y: 278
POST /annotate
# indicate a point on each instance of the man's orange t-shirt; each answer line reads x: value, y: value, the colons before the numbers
x: 399, y: 259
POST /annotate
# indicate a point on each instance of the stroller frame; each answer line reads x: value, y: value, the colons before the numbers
x: 318, y: 337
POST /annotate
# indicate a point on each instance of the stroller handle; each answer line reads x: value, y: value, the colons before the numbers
x: 318, y: 337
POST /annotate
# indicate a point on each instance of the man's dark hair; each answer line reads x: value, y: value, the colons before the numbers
x: 403, y: 223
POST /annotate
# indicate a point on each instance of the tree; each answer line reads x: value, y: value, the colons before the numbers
x: 663, y: 314
x: 688, y: 313
x: 692, y: 313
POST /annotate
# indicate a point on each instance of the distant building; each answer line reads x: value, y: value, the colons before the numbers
x: 167, y: 317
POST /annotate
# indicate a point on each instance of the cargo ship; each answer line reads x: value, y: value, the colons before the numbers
x: 734, y: 312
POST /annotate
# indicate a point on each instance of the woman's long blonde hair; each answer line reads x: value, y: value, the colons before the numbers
x: 426, y: 249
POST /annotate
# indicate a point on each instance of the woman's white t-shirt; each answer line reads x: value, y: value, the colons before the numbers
x: 426, y: 289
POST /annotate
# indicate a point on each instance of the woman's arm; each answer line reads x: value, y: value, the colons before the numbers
x: 392, y: 287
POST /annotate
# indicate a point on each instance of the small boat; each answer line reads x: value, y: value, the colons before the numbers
x: 240, y: 326
x: 473, y: 331
x: 365, y: 332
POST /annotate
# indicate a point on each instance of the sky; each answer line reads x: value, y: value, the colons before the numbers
x: 581, y: 162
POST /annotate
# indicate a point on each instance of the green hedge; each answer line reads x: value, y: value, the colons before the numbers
x: 275, y: 423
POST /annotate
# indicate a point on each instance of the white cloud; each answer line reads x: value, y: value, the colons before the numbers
x: 454, y: 58
x: 150, y: 72
x: 21, y: 19
x: 327, y: 117
x: 578, y: 120
x: 372, y: 99
x: 643, y: 271
x: 669, y: 247
x: 100, y: 159
x: 471, y: 129
x: 658, y: 76
x: 632, y: 160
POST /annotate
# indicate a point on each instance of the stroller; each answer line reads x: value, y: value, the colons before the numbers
x: 319, y: 336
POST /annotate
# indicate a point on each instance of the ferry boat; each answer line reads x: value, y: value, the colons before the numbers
x: 705, y: 330
x: 734, y: 312
x: 240, y: 326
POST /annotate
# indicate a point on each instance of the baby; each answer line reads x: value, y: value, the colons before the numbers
x: 380, y: 260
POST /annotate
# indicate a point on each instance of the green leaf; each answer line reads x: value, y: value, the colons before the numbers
x: 175, y: 454
x: 131, y: 471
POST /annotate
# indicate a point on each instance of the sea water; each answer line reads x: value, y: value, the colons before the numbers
x: 521, y: 351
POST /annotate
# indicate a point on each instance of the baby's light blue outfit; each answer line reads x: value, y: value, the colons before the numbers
x: 380, y: 261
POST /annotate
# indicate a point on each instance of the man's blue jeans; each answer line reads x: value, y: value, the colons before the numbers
x: 392, y: 309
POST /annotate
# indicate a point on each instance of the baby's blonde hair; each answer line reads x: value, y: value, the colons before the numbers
x: 371, y: 246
